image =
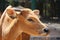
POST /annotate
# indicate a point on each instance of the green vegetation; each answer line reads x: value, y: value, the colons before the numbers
x: 14, y: 2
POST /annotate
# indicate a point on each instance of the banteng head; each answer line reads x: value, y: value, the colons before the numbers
x: 29, y: 21
x: 24, y: 20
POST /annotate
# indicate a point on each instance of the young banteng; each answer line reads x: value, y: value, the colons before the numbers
x: 14, y: 22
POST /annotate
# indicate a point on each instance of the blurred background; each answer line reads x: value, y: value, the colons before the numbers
x: 49, y: 12
x: 48, y: 8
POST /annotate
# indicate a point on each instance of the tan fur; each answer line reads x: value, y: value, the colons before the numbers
x: 12, y: 28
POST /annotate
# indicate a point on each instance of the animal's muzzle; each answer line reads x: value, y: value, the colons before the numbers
x: 46, y: 30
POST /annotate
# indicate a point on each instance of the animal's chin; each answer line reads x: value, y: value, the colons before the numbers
x: 44, y: 34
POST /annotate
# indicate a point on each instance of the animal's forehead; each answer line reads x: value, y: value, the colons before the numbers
x: 27, y: 9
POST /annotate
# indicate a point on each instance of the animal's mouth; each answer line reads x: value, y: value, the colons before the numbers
x: 45, y: 32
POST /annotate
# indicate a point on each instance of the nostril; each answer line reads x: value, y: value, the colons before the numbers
x: 46, y: 30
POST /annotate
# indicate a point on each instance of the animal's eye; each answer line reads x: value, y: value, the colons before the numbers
x: 30, y: 20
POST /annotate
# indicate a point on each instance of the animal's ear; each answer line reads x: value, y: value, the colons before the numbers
x: 25, y: 12
x: 10, y: 11
x: 36, y: 12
